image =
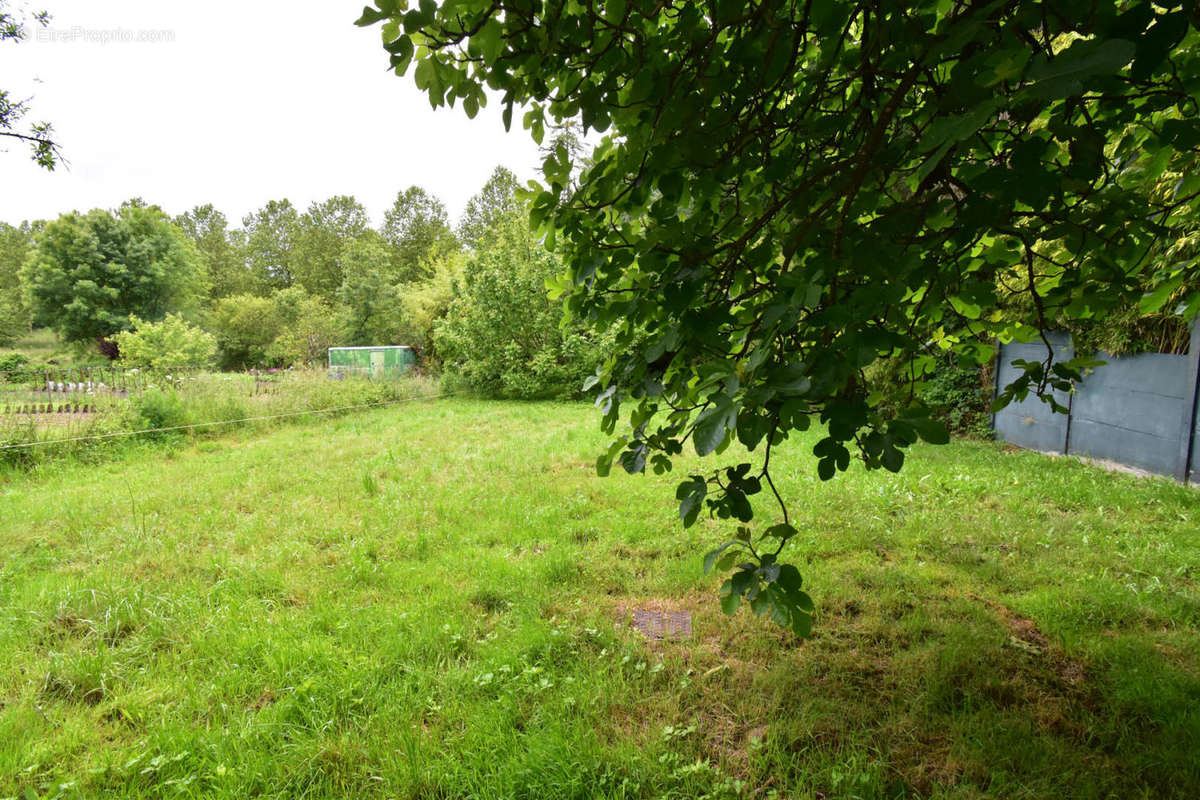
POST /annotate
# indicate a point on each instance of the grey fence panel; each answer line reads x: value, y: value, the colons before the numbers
x: 1194, y: 477
x: 1030, y: 423
x: 1188, y: 467
x: 1128, y: 411
x: 1136, y: 410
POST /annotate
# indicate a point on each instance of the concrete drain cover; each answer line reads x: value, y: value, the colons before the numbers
x: 658, y: 625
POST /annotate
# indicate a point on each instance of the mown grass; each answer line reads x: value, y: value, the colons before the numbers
x: 433, y: 601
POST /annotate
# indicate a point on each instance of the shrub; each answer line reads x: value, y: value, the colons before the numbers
x: 502, y: 335
x: 10, y: 362
x: 311, y: 327
x: 157, y: 408
x: 245, y: 326
x: 425, y: 303
x: 960, y: 393
x: 957, y: 390
x: 170, y: 343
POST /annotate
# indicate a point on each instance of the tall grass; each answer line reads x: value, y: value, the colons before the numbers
x: 214, y: 402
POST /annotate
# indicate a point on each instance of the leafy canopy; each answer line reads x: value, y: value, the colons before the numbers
x: 790, y: 190
x: 325, y: 230
x: 418, y: 230
x: 369, y: 294
x: 487, y: 209
x: 90, y: 272
x: 220, y: 248
x: 245, y: 326
x: 15, y: 319
x: 272, y: 238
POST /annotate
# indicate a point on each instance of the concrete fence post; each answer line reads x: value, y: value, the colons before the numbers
x: 1187, y: 429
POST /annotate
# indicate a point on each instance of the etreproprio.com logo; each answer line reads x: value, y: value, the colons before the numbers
x: 82, y: 35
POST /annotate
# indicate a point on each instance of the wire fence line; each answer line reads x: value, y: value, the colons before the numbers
x: 116, y: 434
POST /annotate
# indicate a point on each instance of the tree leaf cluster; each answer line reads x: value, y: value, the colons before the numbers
x: 787, y: 192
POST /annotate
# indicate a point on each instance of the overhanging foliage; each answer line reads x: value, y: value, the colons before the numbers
x: 792, y: 190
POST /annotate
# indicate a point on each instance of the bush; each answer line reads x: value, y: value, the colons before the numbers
x: 157, y: 408
x: 502, y: 336
x: 170, y: 343
x: 10, y: 362
x: 245, y: 326
x: 425, y: 303
x: 19, y: 368
x: 310, y: 327
x: 957, y: 390
x: 960, y: 393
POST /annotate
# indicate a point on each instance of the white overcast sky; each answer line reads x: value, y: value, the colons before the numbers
x: 237, y: 103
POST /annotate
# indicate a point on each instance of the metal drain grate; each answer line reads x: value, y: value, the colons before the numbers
x: 658, y: 625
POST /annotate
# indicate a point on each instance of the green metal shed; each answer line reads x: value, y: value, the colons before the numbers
x: 375, y: 362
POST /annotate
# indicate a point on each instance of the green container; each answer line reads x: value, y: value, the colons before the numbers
x: 374, y: 362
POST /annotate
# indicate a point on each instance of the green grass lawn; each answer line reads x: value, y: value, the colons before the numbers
x: 433, y: 601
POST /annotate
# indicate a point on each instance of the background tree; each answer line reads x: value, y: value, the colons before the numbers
x: 15, y: 319
x: 495, y: 201
x: 325, y: 230
x: 792, y: 190
x: 369, y: 293
x: 39, y: 136
x: 90, y: 272
x: 220, y: 248
x: 417, y: 228
x: 271, y: 238
x: 423, y: 305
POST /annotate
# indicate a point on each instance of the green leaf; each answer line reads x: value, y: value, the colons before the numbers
x: 760, y: 603
x: 730, y: 600
x: 789, y: 578
x: 930, y: 430
x: 507, y: 114
x: 490, y: 40
x: 614, y: 12
x: 801, y: 624
x: 712, y: 426
x: 892, y: 458
x: 956, y: 127
x: 691, y: 496
x: 633, y: 460
x: 781, y: 531
x: 791, y: 379
x: 370, y: 16
x: 710, y: 559
x: 751, y: 429
x: 424, y: 75
x: 604, y: 465
x: 1154, y: 300
x: 1085, y: 58
x: 826, y: 468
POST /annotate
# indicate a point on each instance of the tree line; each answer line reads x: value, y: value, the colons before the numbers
x: 136, y: 284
